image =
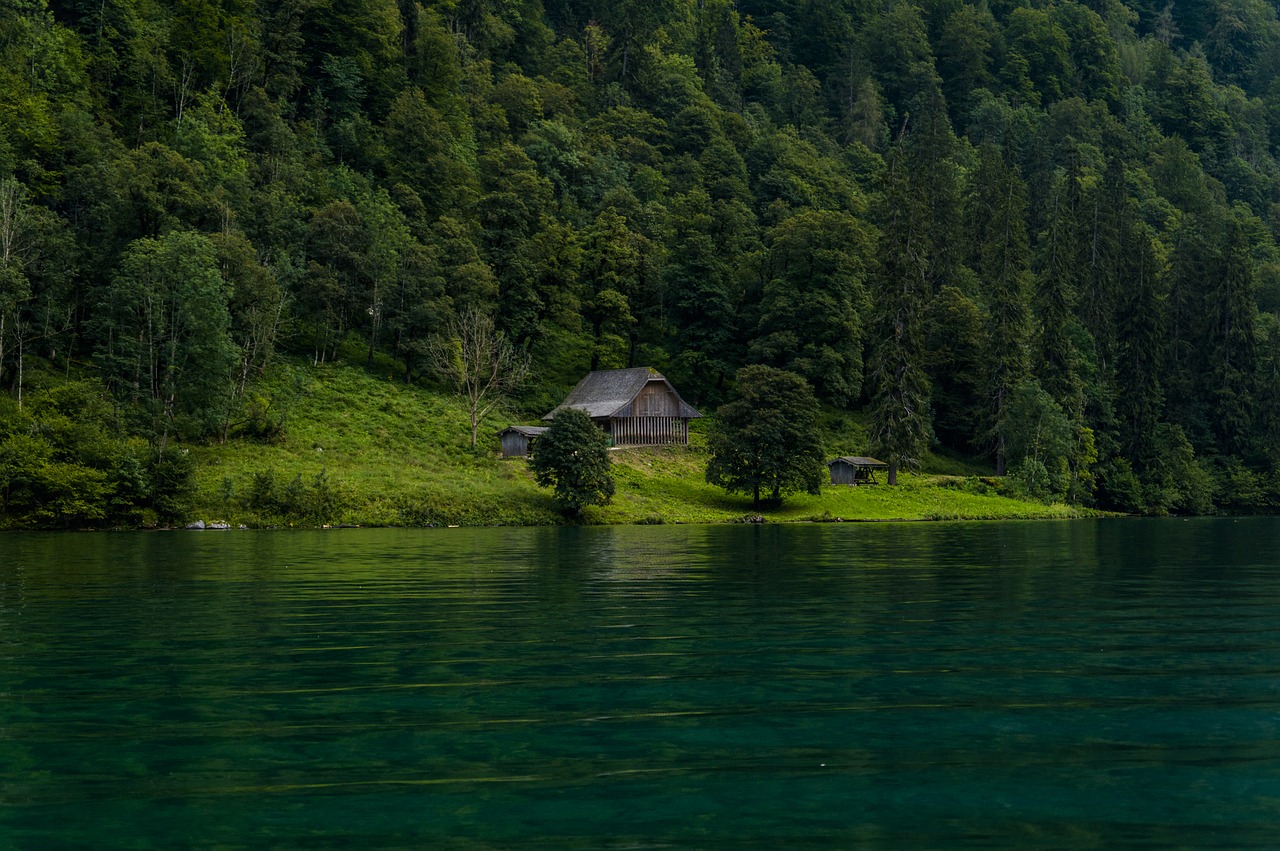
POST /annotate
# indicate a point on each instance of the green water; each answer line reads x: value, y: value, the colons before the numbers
x: 1072, y: 684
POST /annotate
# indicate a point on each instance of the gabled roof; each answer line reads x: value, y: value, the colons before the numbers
x: 527, y: 431
x: 858, y: 461
x: 606, y: 392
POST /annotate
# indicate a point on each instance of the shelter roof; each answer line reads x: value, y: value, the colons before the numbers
x: 605, y: 393
x: 527, y: 431
x: 859, y: 461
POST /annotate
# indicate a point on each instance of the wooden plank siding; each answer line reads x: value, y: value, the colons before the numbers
x: 515, y: 445
x: 649, y: 431
x: 634, y: 406
x: 655, y: 400
x: 517, y: 441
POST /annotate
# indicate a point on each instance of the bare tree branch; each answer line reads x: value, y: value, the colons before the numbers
x: 477, y: 361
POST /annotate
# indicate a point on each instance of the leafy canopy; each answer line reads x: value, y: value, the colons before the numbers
x: 767, y: 440
x: 573, y: 457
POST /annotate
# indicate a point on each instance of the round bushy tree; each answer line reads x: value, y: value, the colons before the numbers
x: 767, y: 440
x: 573, y: 457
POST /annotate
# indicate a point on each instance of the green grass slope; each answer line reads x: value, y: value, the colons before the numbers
x: 362, y: 450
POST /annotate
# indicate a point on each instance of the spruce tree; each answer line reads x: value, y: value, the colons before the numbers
x: 1186, y: 333
x: 899, y: 385
x: 1141, y: 339
x: 1055, y: 297
x: 999, y: 216
x: 1102, y: 223
x: 1232, y: 341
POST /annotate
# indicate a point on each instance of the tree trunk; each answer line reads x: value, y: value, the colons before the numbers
x: 893, y: 472
x: 20, y: 356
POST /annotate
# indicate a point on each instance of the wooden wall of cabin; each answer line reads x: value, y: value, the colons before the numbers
x: 649, y: 431
x: 655, y: 400
x: 515, y: 444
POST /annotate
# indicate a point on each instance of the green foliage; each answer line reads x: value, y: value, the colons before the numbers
x: 767, y: 440
x: 1039, y: 439
x: 62, y: 465
x: 1089, y: 201
x: 899, y: 384
x: 313, y: 502
x: 811, y: 311
x: 163, y: 332
x: 572, y: 457
x: 1174, y: 481
x: 1001, y: 258
x: 1119, y: 487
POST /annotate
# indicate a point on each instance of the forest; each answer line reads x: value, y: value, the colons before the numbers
x: 1041, y: 233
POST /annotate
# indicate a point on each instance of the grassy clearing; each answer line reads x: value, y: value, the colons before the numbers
x: 666, y: 485
x: 374, y: 453
x: 364, y: 450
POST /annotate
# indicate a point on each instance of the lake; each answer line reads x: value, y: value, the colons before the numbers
x: 1080, y: 683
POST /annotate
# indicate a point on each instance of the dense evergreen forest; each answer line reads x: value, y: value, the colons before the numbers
x: 1041, y: 232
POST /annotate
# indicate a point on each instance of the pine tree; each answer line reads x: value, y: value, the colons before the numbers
x: 1140, y: 347
x: 999, y: 216
x: 1102, y: 224
x: 1057, y: 361
x: 1186, y: 349
x: 1232, y: 342
x: 899, y: 386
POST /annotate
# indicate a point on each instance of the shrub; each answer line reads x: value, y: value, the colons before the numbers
x: 573, y: 457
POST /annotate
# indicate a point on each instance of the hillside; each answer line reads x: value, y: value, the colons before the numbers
x: 1044, y: 235
x: 366, y: 452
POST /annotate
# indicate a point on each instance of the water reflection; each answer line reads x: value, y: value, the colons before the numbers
x: 901, y: 685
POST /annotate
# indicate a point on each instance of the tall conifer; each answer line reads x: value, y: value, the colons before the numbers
x: 999, y: 217
x: 899, y: 385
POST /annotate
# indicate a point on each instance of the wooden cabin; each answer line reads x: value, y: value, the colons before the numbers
x: 635, y: 407
x: 855, y: 470
x: 517, y: 440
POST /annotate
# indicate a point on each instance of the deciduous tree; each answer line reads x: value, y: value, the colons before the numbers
x: 767, y: 441
x: 475, y: 359
x: 572, y: 456
x: 163, y: 332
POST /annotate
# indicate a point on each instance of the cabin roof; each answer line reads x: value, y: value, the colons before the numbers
x: 859, y: 461
x: 606, y: 392
x: 527, y: 431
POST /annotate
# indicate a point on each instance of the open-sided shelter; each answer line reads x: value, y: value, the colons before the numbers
x: 854, y: 470
x: 635, y: 407
x: 518, y: 439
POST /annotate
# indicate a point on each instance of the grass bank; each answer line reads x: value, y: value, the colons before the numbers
x: 364, y: 450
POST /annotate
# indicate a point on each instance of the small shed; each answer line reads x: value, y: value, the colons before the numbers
x: 517, y: 439
x: 855, y: 470
x: 636, y: 407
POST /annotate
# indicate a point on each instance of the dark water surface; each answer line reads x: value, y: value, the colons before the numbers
x: 1078, y: 684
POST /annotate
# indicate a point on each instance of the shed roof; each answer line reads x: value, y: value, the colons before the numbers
x: 859, y: 461
x: 527, y: 431
x: 606, y: 392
